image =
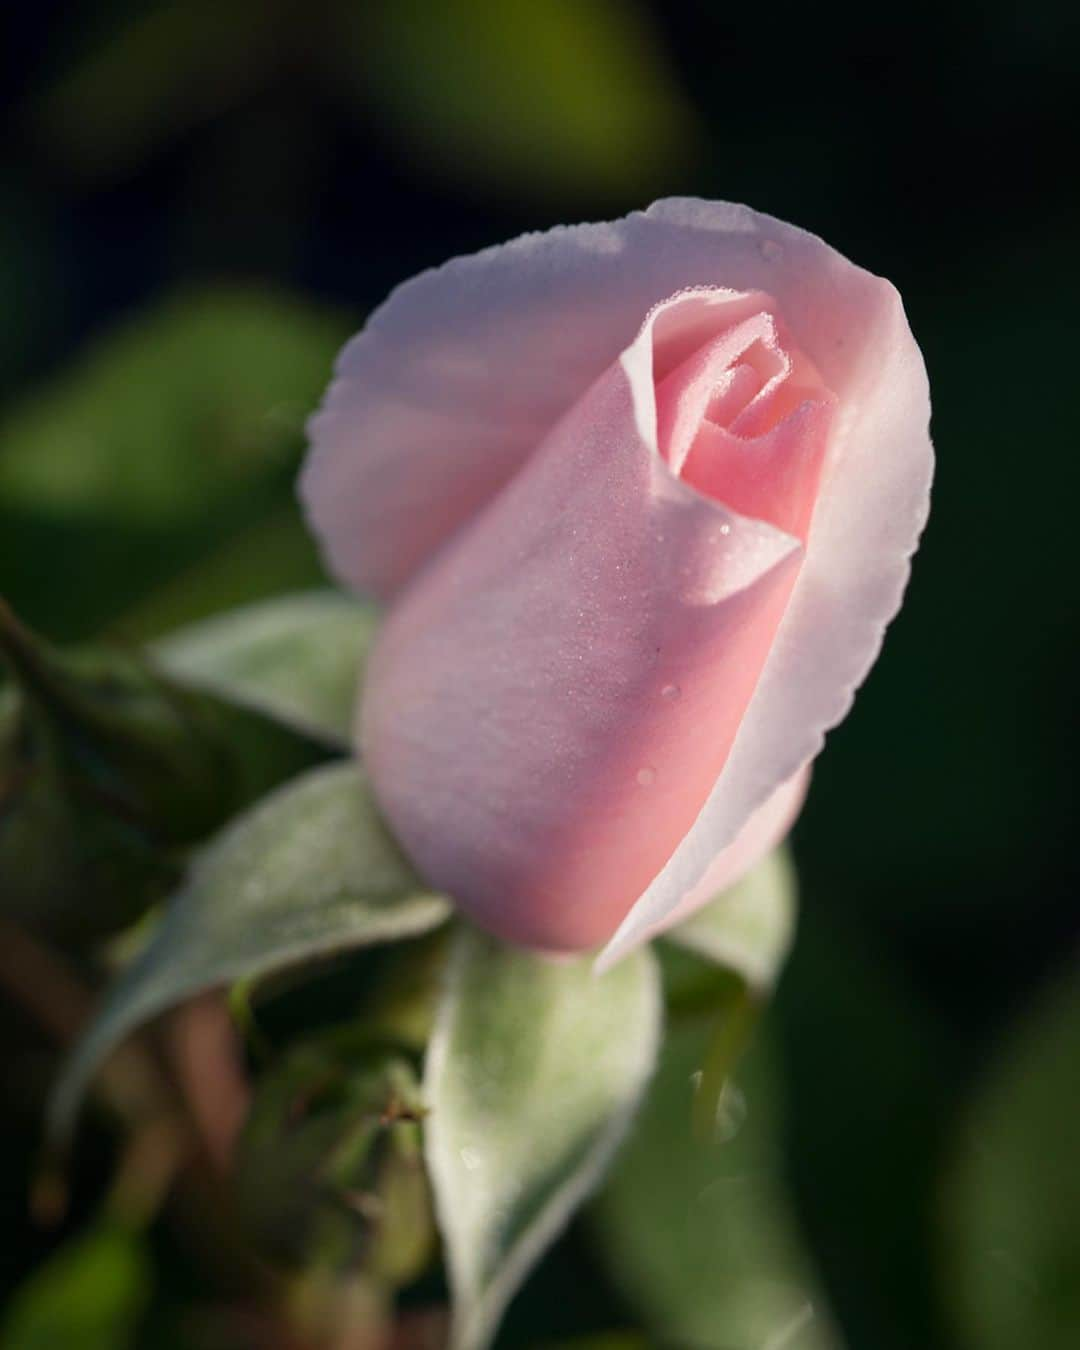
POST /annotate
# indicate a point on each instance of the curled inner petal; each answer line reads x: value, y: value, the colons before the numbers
x: 744, y: 418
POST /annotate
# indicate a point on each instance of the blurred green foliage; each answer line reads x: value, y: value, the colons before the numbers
x: 173, y: 413
x: 109, y: 772
x: 141, y: 74
x: 1010, y: 1248
x: 89, y: 1295
x: 546, y: 99
x: 698, y: 1227
x: 170, y: 448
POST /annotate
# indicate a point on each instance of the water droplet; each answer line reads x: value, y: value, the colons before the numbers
x: 470, y: 1158
x: 771, y: 251
x: 725, y: 528
x: 646, y: 776
x: 731, y: 1111
x: 670, y: 692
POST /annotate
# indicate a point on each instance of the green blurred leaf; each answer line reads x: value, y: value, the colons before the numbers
x: 175, y: 432
x: 566, y: 97
x: 149, y: 78
x: 109, y: 773
x: 254, y: 562
x: 725, y: 959
x: 299, y: 657
x: 172, y: 411
x: 533, y: 1073
x: 699, y: 1231
x: 308, y: 872
x: 89, y: 1294
x: 1011, y: 1238
x: 749, y: 927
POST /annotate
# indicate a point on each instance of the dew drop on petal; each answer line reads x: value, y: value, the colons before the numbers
x: 725, y: 528
x: 646, y: 776
x: 670, y: 692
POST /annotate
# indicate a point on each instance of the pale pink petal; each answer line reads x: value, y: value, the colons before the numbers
x: 768, y: 825
x: 774, y: 477
x: 462, y: 373
x: 546, y: 710
x: 871, y: 508
x: 731, y: 421
x: 706, y: 383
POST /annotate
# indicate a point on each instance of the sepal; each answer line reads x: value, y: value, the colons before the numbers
x: 330, y: 1174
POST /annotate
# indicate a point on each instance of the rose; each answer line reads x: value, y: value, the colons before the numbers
x: 641, y: 499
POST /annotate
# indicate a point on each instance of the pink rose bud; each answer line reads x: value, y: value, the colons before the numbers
x: 641, y: 499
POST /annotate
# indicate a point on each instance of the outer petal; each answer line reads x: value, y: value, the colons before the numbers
x: 534, y: 707
x: 871, y: 508
x: 765, y: 829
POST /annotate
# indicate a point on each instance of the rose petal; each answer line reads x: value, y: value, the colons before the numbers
x: 767, y: 462
x: 546, y: 710
x: 459, y: 376
x: 774, y: 477
x: 871, y: 508
x: 768, y: 825
x: 687, y: 394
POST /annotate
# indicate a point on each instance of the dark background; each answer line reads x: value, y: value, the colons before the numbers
x: 319, y: 153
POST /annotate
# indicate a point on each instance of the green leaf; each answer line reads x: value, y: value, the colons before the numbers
x: 171, y: 434
x: 533, y: 1074
x: 275, y: 555
x: 299, y: 657
x: 749, y: 927
x: 699, y: 1231
x: 90, y: 1293
x: 111, y: 774
x: 172, y: 411
x: 1011, y: 1253
x: 150, y: 76
x: 308, y: 872
x: 559, y: 99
